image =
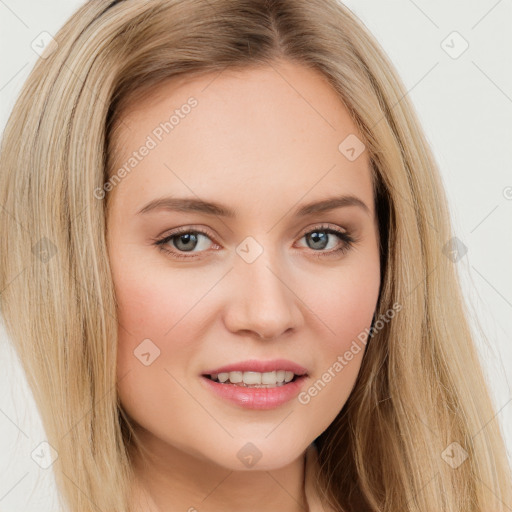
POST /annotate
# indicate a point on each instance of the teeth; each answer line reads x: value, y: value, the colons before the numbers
x: 268, y: 378
x: 235, y: 377
x: 252, y: 378
x: 255, y: 379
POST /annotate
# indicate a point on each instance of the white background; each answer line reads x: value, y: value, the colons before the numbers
x: 465, y: 106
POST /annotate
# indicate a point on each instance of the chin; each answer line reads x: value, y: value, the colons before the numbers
x: 256, y: 455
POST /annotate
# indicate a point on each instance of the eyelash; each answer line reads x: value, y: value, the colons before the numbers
x: 347, y: 241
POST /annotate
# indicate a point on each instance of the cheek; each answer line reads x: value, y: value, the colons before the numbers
x: 344, y: 309
x: 143, y: 308
x: 158, y: 335
x: 147, y: 311
x: 147, y: 358
x: 345, y: 304
x: 151, y: 299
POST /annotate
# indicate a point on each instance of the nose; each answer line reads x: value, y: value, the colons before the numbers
x: 263, y: 302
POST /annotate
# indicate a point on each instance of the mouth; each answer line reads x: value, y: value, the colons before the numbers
x: 249, y: 379
x: 257, y: 384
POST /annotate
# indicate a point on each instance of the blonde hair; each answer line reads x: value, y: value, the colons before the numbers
x: 420, y: 386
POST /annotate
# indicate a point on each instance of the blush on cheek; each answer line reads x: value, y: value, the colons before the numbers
x: 345, y: 315
x: 143, y: 309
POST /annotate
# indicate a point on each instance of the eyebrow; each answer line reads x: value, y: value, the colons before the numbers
x: 192, y: 205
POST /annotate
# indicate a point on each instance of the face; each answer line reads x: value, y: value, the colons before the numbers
x: 273, y: 282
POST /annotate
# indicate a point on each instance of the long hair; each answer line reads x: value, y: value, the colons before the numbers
x: 420, y: 400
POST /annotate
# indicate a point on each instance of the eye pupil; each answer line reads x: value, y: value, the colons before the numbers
x: 319, y: 236
x: 187, y: 237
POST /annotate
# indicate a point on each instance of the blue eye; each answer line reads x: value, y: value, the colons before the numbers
x: 320, y: 234
x: 185, y: 240
x: 185, y: 237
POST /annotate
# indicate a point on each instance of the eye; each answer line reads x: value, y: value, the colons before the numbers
x: 183, y: 239
x: 319, y: 239
x: 187, y: 239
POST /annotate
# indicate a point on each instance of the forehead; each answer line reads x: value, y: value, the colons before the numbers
x: 269, y: 135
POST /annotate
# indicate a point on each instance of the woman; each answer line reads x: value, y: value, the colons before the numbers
x: 274, y: 143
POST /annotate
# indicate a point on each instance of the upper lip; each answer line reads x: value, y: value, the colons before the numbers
x: 255, y: 365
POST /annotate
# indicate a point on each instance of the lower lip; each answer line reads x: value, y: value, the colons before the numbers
x: 257, y: 398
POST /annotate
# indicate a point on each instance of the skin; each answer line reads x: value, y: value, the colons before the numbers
x: 261, y: 141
